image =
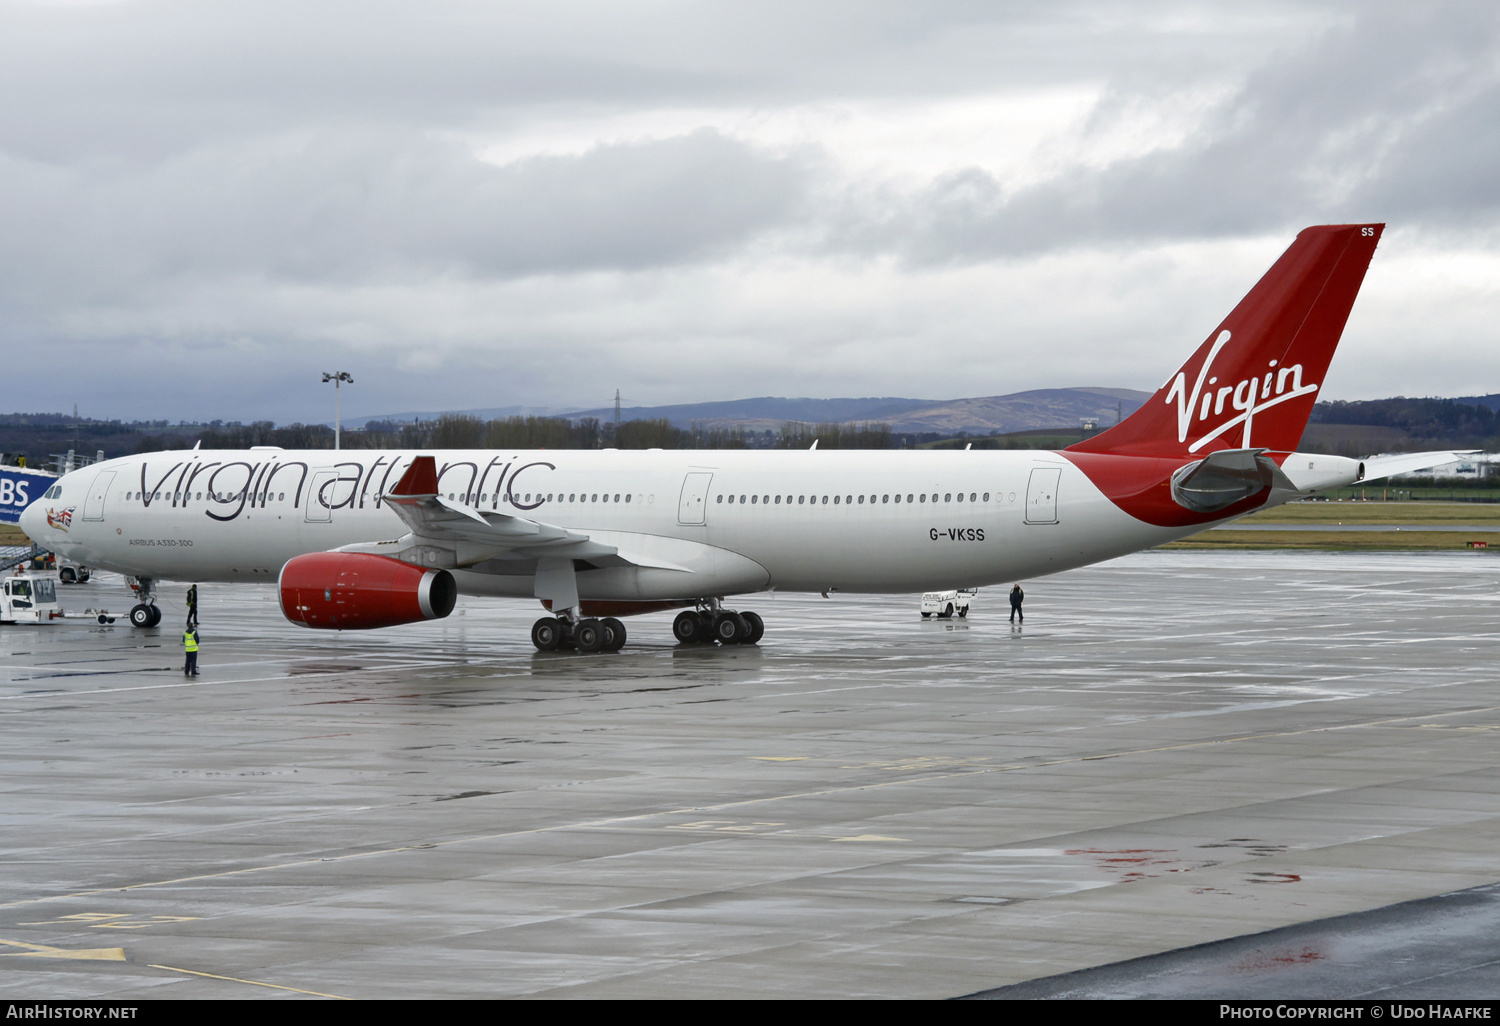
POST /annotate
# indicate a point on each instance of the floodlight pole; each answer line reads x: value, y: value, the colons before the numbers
x: 336, y: 377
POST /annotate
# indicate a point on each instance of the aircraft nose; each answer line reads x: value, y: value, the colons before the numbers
x: 32, y: 520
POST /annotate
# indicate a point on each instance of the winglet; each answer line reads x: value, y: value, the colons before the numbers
x: 419, y: 481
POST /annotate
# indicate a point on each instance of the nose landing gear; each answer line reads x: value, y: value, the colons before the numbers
x: 145, y: 613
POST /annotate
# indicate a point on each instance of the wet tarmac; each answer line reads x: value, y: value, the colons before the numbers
x: 1178, y: 748
x: 1441, y: 948
x: 1381, y: 528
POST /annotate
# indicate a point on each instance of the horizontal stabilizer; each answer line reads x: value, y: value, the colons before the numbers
x: 1377, y: 467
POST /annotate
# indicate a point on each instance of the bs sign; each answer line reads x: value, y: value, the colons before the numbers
x: 19, y: 488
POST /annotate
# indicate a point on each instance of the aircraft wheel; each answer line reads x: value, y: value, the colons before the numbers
x: 67, y: 576
x: 614, y: 634
x: 588, y: 635
x: 687, y: 628
x: 546, y: 634
x: 731, y: 628
x: 140, y: 615
x: 155, y: 616
x: 757, y: 628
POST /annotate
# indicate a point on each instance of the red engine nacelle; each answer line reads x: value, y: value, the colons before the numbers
x: 351, y: 591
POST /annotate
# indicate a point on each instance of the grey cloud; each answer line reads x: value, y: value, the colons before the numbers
x: 146, y: 79
x: 143, y: 79
x: 1386, y: 118
x: 246, y: 182
x: 352, y: 205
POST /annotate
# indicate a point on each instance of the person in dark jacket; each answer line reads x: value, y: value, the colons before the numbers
x: 1017, y: 596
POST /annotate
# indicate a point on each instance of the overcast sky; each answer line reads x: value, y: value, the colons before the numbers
x: 203, y: 205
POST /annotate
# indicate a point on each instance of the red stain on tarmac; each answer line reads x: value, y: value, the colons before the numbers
x: 1118, y: 859
x: 1260, y: 961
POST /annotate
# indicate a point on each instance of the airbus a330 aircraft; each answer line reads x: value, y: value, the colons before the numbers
x: 371, y: 539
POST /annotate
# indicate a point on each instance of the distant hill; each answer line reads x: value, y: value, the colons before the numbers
x: 765, y: 412
x: 1400, y: 424
x: 1354, y: 428
x: 1489, y: 402
x: 988, y: 415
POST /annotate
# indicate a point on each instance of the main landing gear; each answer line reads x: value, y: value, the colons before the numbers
x: 565, y: 631
x: 708, y: 624
x: 726, y: 626
x: 144, y: 613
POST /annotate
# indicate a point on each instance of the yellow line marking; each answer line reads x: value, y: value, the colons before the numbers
x: 107, y: 920
x: 253, y: 983
x: 609, y: 821
x: 46, y: 951
x: 93, y: 917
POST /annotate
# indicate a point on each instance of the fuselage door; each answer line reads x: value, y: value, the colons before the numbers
x: 1041, y: 495
x: 93, y: 506
x: 693, y: 508
x: 320, y: 497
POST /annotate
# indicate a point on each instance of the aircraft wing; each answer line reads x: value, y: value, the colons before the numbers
x: 451, y: 535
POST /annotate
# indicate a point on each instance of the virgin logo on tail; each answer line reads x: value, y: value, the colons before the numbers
x: 1248, y: 395
x: 1284, y: 333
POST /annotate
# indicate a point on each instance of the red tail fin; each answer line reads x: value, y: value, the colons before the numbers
x: 1253, y: 383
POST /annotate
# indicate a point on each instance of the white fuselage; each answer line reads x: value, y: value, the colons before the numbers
x: 703, y: 522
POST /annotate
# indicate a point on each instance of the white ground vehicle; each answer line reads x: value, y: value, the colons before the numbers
x: 946, y: 603
x: 69, y: 572
x: 32, y: 598
x: 29, y: 598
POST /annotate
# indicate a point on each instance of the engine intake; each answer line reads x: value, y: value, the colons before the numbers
x: 353, y: 591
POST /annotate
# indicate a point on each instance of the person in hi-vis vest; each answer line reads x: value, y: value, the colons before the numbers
x: 190, y: 646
